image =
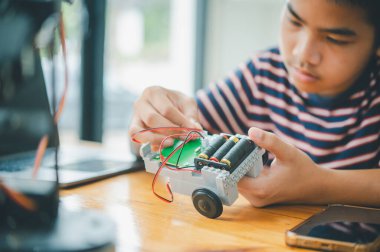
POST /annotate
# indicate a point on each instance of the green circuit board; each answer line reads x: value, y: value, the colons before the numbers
x: 190, y: 151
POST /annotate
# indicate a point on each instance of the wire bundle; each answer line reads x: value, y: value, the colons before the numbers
x: 187, y: 134
x: 57, y: 114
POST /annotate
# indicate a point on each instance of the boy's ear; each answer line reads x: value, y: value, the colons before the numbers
x: 378, y: 52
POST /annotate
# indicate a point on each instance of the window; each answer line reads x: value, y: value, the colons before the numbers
x: 148, y: 42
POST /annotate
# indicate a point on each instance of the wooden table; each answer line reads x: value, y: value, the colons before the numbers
x: 145, y: 223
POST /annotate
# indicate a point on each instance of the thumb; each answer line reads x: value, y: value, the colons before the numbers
x: 269, y: 141
x: 187, y: 108
x: 196, y: 124
x: 191, y: 112
x: 191, y: 121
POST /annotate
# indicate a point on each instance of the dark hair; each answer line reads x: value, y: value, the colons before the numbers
x: 372, y: 8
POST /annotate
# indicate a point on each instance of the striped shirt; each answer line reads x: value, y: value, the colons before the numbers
x: 341, y: 132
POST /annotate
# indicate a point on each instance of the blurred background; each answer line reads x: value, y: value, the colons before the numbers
x: 117, y: 48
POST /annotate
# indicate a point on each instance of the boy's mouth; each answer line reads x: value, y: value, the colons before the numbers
x: 303, y: 75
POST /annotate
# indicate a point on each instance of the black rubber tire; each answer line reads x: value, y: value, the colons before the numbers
x: 207, y: 203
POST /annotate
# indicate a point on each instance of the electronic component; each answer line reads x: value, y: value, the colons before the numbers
x: 216, y: 143
x: 237, y: 152
x: 212, y: 183
x: 224, y: 149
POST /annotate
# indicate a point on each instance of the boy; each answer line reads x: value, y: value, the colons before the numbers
x: 316, y: 100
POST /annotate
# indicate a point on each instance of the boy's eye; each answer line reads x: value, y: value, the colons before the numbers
x: 295, y: 22
x: 336, y: 41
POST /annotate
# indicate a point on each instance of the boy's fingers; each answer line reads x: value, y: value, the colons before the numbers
x: 152, y: 118
x: 187, y: 107
x: 168, y: 109
x: 272, y: 143
x: 136, y: 133
x: 160, y: 107
x: 167, y: 143
x: 194, y: 120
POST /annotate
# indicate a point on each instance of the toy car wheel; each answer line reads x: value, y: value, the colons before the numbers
x: 207, y: 203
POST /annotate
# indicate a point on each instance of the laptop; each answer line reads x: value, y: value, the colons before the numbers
x: 25, y: 116
x: 78, y: 164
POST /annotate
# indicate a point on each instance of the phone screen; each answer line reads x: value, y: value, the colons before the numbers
x: 345, y: 231
x: 356, y: 225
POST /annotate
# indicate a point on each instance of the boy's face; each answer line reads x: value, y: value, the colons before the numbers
x: 325, y: 45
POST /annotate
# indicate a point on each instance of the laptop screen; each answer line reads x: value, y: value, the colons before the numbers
x: 25, y: 115
x: 24, y: 108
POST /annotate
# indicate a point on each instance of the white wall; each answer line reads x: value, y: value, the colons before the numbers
x: 235, y: 30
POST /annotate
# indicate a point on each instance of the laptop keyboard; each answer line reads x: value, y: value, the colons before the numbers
x: 25, y: 161
x: 93, y: 165
x: 15, y: 165
x: 21, y: 162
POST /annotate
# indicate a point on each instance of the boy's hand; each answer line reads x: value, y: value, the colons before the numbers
x: 292, y: 176
x: 160, y: 107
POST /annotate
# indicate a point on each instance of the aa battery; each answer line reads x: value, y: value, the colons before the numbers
x: 238, y: 152
x: 223, y: 150
x: 216, y: 143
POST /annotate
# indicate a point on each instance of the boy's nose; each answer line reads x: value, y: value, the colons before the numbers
x: 306, y: 51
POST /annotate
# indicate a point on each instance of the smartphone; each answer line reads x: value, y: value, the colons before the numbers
x: 338, y: 228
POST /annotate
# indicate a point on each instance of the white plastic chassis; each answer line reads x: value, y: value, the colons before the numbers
x: 221, y: 182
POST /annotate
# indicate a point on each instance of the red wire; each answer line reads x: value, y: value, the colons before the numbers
x: 162, y: 157
x: 62, y: 36
x: 39, y: 155
x: 45, y: 139
x: 164, y: 130
x: 18, y: 198
x: 163, y: 164
x: 163, y: 141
